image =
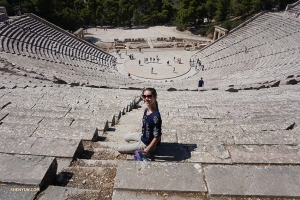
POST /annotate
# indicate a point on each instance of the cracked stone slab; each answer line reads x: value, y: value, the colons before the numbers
x: 101, y: 124
x: 17, y: 129
x: 280, y: 181
x: 142, y: 195
x: 259, y: 125
x: 3, y: 104
x: 19, y: 111
x: 154, y: 176
x: 22, y: 119
x: 16, y: 192
x: 62, y: 121
x: 285, y: 154
x: 49, y: 113
x: 3, y: 115
x: 291, y: 137
x: 63, y: 148
x: 169, y: 135
x: 27, y: 169
x: 209, y: 153
x: 205, y: 137
x: 56, y: 192
x: 50, y: 131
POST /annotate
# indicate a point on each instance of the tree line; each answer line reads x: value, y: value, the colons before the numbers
x: 73, y: 14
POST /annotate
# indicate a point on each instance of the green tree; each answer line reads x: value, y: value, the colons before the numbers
x: 211, y: 8
x: 260, y: 5
x: 68, y: 19
x: 222, y: 10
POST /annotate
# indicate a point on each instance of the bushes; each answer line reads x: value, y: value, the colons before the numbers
x: 181, y: 26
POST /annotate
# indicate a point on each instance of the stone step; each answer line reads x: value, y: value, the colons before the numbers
x: 100, y: 151
x: 101, y: 124
x: 288, y: 137
x: 3, y: 115
x: 92, y: 115
x: 37, y: 171
x: 56, y: 121
x: 246, y: 180
x: 95, y: 163
x: 18, y: 111
x: 22, y: 119
x: 51, y: 113
x: 82, y: 133
x: 62, y: 148
x: 15, y: 129
x: 159, y: 177
x: 110, y: 145
x: 266, y: 154
x: 106, y: 154
x: 149, y: 195
x: 56, y: 192
x: 15, y: 192
x: 93, y: 178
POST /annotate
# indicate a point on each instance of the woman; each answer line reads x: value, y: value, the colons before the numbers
x: 150, y: 137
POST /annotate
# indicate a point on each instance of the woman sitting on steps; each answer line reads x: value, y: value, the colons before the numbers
x: 150, y: 137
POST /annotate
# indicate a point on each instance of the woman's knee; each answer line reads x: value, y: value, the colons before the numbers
x: 132, y: 137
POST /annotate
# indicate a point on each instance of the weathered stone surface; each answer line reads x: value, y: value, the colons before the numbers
x: 17, y: 192
x: 22, y: 119
x: 253, y: 180
x: 63, y: 163
x: 96, y: 163
x: 3, y: 104
x: 3, y: 115
x: 170, y: 136
x: 290, y: 137
x: 284, y: 154
x: 27, y: 170
x: 62, y: 121
x: 51, y: 113
x: 101, y: 124
x: 160, y: 177
x: 142, y: 195
x: 17, y: 129
x: 19, y: 111
x: 56, y: 192
x: 209, y: 153
x: 265, y: 125
x: 63, y: 148
x: 109, y: 145
x: 84, y: 133
x: 207, y: 137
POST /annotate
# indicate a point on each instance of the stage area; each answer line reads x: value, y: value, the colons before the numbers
x: 161, y: 70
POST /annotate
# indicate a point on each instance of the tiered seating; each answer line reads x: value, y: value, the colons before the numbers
x: 272, y: 43
x: 43, y: 125
x: 35, y: 46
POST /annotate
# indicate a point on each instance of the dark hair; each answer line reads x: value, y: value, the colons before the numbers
x: 154, y: 93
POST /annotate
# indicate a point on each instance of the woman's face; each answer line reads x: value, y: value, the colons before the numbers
x: 149, y: 99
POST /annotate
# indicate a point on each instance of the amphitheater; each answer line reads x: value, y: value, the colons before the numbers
x: 66, y: 105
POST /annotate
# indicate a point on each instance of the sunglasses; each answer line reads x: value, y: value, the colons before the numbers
x: 147, y: 96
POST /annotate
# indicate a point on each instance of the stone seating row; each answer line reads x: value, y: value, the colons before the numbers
x: 207, y: 133
x: 280, y: 41
x: 42, y: 129
x: 18, y: 29
x: 70, y: 74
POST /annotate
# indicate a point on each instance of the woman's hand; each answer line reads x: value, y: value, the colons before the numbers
x: 145, y: 153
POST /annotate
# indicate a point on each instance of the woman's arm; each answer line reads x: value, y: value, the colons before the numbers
x: 152, y: 144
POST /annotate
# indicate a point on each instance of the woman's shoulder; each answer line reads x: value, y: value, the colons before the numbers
x: 156, y: 113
